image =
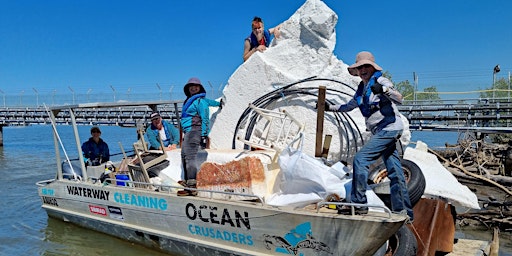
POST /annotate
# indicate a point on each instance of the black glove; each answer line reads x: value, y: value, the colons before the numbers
x: 327, y: 106
x: 203, y: 142
x: 221, y: 104
x: 377, y: 88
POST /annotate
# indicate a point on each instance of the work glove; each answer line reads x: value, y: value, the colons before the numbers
x: 329, y: 107
x: 377, y: 88
x: 221, y: 103
x: 203, y: 142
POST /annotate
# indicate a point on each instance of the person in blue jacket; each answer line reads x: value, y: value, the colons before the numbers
x: 195, y: 123
x: 162, y: 130
x: 95, y: 150
x: 260, y: 38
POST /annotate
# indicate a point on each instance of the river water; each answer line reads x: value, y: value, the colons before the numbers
x: 28, y: 156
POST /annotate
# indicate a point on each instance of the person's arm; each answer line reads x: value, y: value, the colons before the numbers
x: 152, y: 138
x: 212, y: 103
x: 106, y: 152
x: 85, y: 151
x: 204, y: 112
x: 247, y: 50
x: 389, y: 90
x: 175, y: 134
x: 276, y: 31
x: 352, y: 104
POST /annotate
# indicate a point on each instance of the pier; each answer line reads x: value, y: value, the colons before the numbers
x: 475, y: 115
x: 121, y: 115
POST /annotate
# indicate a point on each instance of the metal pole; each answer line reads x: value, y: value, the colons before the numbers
x: 37, y: 97
x: 211, y: 89
x: 493, y: 83
x: 3, y: 93
x: 415, y: 77
x: 494, y: 72
x: 53, y: 97
x: 160, y: 89
x: 114, y: 91
x: 508, y: 91
x: 72, y: 93
x: 88, y: 93
x: 170, y: 92
x: 21, y: 96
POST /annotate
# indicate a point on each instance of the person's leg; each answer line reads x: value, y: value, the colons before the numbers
x: 399, y: 196
x: 189, y: 155
x: 362, y: 160
x: 189, y: 151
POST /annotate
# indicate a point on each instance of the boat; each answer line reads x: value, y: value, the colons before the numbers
x: 122, y: 200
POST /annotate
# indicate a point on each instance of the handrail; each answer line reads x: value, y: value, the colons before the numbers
x: 161, y: 186
x: 43, y: 183
x: 322, y: 203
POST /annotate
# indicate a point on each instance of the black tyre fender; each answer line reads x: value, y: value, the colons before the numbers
x: 402, y: 243
x: 414, y: 179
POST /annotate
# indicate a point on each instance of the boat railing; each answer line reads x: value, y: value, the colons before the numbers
x: 169, y: 189
x: 43, y: 183
x: 352, y: 206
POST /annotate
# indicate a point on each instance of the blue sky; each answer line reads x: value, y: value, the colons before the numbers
x: 62, y: 45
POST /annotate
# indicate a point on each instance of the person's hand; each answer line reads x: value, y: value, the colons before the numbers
x: 203, y: 142
x: 261, y: 48
x: 377, y: 88
x: 171, y: 147
x: 328, y: 107
x: 221, y: 103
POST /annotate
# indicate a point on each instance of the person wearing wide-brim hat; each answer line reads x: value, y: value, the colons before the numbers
x: 376, y: 98
x: 95, y: 150
x: 195, y: 123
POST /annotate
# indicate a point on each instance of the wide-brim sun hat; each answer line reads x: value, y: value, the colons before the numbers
x: 363, y: 58
x: 193, y: 81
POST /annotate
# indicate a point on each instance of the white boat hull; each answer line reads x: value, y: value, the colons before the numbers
x: 196, y: 225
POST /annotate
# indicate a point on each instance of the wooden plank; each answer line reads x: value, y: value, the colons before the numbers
x: 320, y: 120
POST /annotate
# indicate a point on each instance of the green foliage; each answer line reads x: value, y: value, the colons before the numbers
x: 406, y: 89
x: 429, y: 93
x: 500, y: 88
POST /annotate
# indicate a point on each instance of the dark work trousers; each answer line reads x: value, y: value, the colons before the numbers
x: 189, y: 150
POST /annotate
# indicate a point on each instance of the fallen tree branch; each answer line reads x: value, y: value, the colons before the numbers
x: 460, y: 167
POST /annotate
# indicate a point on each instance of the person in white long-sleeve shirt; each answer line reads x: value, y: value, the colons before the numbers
x: 376, y: 98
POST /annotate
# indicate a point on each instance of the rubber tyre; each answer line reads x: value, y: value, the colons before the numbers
x: 403, y: 243
x: 414, y: 179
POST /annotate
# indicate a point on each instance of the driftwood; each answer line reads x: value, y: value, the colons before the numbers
x: 482, y: 164
x: 465, y: 171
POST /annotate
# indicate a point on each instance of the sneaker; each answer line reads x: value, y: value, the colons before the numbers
x: 186, y: 192
x: 347, y: 210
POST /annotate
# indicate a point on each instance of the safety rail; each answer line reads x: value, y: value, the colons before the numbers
x: 168, y: 189
x: 352, y: 205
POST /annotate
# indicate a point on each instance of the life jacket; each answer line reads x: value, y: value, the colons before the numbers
x: 254, y: 41
x: 367, y: 108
